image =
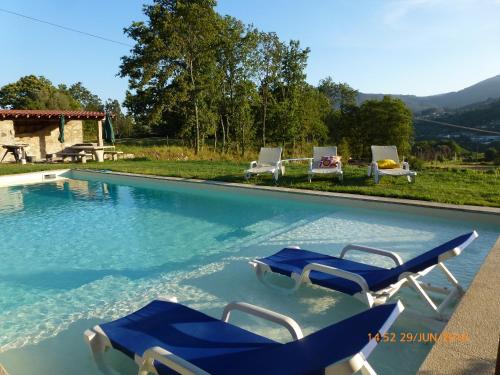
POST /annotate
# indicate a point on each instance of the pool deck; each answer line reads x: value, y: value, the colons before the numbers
x: 477, y: 315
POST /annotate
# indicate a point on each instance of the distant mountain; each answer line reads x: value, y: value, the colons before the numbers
x: 480, y: 92
x: 484, y: 116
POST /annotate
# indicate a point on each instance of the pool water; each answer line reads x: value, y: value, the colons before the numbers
x: 78, y: 252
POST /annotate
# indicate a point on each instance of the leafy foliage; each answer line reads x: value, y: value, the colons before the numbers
x: 32, y: 92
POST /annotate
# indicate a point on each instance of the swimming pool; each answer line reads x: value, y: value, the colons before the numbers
x: 94, y: 247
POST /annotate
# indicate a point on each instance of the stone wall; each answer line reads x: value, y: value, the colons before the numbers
x: 41, y: 135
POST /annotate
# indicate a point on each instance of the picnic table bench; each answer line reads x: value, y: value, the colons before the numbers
x: 114, y: 154
x: 73, y: 154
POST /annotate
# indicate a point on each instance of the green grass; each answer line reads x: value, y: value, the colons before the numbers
x: 452, y: 185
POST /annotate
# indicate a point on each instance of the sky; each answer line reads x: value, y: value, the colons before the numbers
x: 420, y: 47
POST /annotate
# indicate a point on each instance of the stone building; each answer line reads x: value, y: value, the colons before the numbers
x: 40, y: 129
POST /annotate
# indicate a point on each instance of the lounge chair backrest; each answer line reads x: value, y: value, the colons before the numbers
x: 319, y: 152
x: 432, y: 257
x: 269, y: 155
x: 385, y: 152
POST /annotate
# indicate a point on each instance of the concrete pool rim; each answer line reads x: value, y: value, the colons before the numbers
x: 306, y: 192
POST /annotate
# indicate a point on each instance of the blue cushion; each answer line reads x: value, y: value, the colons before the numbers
x: 228, y: 349
x: 287, y: 261
x: 190, y: 334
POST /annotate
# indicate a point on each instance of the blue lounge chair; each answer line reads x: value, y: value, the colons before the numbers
x: 165, y: 337
x: 372, y: 285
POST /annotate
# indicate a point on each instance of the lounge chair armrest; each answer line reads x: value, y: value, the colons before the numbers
x: 253, y: 164
x: 170, y: 360
x: 406, y: 165
x: 373, y: 250
x: 287, y: 322
x: 358, y: 279
x: 374, y: 166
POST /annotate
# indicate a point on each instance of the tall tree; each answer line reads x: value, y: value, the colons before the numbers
x: 269, y: 54
x: 237, y: 67
x: 293, y: 82
x: 172, y: 60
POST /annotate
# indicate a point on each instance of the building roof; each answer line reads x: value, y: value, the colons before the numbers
x: 12, y: 114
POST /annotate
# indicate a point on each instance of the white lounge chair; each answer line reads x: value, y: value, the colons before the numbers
x: 314, y: 163
x: 384, y: 153
x: 269, y: 162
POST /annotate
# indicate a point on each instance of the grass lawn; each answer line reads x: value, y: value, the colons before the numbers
x: 453, y: 185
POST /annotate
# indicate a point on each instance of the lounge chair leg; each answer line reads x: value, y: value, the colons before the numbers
x: 451, y: 278
x: 261, y: 276
x: 421, y: 292
x: 367, y: 369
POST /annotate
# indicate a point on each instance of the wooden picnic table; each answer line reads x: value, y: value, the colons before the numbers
x: 18, y: 150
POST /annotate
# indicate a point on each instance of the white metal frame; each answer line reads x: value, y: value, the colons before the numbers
x: 270, y: 161
x: 374, y: 298
x: 388, y: 152
x: 99, y: 343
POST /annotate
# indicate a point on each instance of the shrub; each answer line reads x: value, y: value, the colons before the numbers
x: 416, y: 164
x: 491, y: 154
x: 344, y: 150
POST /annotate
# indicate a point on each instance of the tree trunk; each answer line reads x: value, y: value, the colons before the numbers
x: 243, y: 140
x: 264, y: 119
x: 195, y: 101
x: 215, y: 138
x: 223, y: 134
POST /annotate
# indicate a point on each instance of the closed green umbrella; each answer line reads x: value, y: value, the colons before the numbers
x: 61, y: 129
x: 109, y: 134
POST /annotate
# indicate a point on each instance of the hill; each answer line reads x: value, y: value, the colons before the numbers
x: 484, y: 116
x: 480, y: 92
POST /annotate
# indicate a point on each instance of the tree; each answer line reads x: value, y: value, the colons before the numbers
x: 88, y: 101
x: 341, y: 95
x: 123, y: 124
x: 32, y: 92
x: 288, y: 93
x: 236, y: 68
x: 386, y: 122
x: 172, y: 60
x: 268, y: 58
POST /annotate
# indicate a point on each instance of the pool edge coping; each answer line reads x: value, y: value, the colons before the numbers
x: 356, y: 197
x: 478, y: 354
